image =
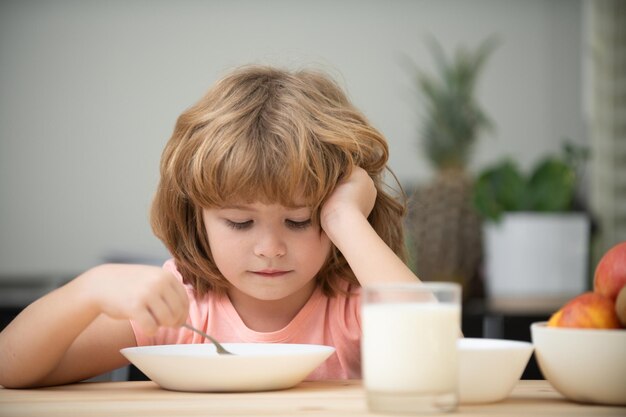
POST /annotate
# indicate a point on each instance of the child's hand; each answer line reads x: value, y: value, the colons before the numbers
x: 148, y: 295
x: 344, y: 220
x: 353, y: 195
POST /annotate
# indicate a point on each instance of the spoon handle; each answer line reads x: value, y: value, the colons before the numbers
x: 220, y: 349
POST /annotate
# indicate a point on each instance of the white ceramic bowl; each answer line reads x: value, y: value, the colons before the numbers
x: 585, y: 365
x: 253, y: 367
x: 490, y: 368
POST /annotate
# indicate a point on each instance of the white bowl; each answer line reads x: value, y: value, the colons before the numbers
x: 253, y: 367
x: 585, y: 365
x: 490, y: 368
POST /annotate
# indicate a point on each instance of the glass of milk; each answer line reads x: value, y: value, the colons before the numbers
x: 409, y: 353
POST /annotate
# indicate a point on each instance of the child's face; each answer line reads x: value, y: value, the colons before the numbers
x: 268, y: 252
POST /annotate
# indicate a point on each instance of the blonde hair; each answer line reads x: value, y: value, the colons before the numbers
x: 270, y: 135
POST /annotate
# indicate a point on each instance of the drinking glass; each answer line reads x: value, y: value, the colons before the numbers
x: 409, y: 346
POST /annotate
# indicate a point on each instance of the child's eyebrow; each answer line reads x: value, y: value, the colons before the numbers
x: 251, y: 208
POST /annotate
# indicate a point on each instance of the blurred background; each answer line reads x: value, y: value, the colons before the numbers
x: 90, y: 92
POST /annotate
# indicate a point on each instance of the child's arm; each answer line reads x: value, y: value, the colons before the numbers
x: 76, y: 331
x: 344, y: 219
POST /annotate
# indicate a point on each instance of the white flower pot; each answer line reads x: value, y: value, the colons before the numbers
x: 537, y: 255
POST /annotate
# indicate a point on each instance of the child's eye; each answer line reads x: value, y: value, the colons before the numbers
x: 239, y: 225
x: 298, y: 224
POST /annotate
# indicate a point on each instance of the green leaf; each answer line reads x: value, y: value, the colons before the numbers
x: 551, y: 186
x: 498, y: 189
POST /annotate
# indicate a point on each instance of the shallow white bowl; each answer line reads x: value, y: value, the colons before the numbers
x: 490, y: 368
x: 253, y: 367
x: 585, y: 365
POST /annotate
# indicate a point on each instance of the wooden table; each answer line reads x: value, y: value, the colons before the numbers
x: 329, y: 398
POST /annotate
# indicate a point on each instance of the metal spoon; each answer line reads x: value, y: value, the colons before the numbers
x: 220, y: 349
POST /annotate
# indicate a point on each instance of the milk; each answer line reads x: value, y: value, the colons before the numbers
x: 423, y: 337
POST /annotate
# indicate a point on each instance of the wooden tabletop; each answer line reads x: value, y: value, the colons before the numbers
x: 329, y: 398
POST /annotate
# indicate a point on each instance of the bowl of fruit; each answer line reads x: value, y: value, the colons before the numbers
x: 581, y: 350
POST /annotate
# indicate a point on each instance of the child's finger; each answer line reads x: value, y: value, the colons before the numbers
x: 182, y: 297
x: 146, y: 321
x: 178, y: 305
x: 161, y: 311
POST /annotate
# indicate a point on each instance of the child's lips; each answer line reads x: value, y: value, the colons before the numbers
x: 271, y: 273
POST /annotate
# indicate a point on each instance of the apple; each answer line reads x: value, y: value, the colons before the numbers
x: 620, y: 306
x: 610, y: 274
x: 587, y: 310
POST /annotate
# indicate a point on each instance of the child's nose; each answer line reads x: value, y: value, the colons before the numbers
x: 270, y: 245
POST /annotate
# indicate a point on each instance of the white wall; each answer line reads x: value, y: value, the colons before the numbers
x: 90, y: 91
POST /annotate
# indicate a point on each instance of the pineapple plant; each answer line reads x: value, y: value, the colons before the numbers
x: 444, y: 227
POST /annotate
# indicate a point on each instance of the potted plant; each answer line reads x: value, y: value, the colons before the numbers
x: 444, y: 228
x: 536, y: 241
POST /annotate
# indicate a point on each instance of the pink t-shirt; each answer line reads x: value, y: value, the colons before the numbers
x: 334, y: 321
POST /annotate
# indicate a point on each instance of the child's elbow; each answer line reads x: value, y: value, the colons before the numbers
x: 17, y: 381
x: 8, y: 380
x: 14, y: 376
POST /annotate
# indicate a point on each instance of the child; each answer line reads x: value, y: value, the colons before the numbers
x: 271, y: 202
